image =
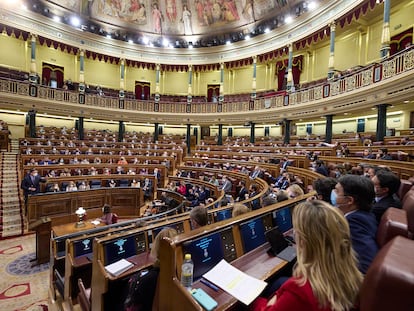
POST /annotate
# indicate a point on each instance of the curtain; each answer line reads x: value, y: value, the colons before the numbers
x: 142, y: 90
x: 52, y: 72
x: 213, y: 90
x: 401, y: 41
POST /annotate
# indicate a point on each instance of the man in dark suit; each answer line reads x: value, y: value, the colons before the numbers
x: 386, y: 185
x: 241, y: 195
x: 31, y: 184
x: 353, y: 195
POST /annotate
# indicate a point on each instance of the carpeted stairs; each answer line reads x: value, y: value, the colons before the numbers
x: 11, y: 213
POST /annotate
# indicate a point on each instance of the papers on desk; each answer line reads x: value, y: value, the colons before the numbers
x: 241, y: 286
x: 118, y: 267
x: 95, y: 222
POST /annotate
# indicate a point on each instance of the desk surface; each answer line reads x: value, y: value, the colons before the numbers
x: 71, y: 228
x: 257, y: 263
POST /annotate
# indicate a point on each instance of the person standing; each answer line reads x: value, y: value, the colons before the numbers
x: 31, y: 184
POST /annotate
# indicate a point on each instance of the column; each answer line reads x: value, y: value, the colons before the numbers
x: 381, y: 122
x: 286, y: 139
x: 331, y: 63
x: 121, y: 130
x: 190, y: 84
x: 122, y: 79
x: 252, y: 134
x: 33, y: 69
x: 32, y: 123
x: 328, y: 128
x: 220, y: 135
x: 385, y: 38
x: 188, y: 138
x: 253, y: 95
x: 156, y: 131
x: 289, y: 80
x: 157, y: 83
x: 221, y: 95
x: 80, y: 128
x: 81, y: 87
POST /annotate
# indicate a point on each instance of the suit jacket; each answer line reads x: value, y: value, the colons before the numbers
x: 381, y: 206
x: 27, y: 183
x: 241, y: 196
x: 363, y: 227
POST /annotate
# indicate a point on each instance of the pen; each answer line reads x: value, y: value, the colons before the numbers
x: 209, y: 284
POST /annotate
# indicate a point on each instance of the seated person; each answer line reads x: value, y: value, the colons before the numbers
x: 239, y: 209
x: 386, y: 185
x: 142, y: 288
x: 108, y: 217
x: 353, y: 195
x: 322, y: 237
x: 71, y: 187
x: 198, y: 217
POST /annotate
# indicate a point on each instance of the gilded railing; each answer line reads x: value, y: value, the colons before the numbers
x: 362, y: 78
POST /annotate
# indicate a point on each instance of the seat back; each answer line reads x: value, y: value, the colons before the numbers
x: 408, y: 206
x: 393, y: 222
x: 389, y: 282
x: 84, y: 296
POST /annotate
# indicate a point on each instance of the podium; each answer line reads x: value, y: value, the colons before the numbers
x: 42, y: 227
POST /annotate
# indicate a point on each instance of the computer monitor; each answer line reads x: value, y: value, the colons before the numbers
x: 252, y: 234
x: 223, y: 214
x: 117, y: 249
x: 82, y: 247
x: 206, y: 252
x: 283, y: 219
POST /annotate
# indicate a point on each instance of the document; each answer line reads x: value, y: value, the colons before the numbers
x: 241, y: 286
x: 119, y: 267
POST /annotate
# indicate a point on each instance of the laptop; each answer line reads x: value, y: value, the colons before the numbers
x: 279, y: 245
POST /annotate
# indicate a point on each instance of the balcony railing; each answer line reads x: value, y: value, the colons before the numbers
x: 365, y: 77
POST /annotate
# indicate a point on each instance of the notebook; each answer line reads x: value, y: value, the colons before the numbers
x: 119, y: 267
x: 279, y: 245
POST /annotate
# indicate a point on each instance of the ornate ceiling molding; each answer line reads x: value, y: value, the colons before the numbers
x: 302, y: 27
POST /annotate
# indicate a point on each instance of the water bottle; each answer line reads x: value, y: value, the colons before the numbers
x: 187, y: 271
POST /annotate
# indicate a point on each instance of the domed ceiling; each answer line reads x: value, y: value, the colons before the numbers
x: 200, y: 23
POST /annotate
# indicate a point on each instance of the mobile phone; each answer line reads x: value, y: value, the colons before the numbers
x: 204, y: 299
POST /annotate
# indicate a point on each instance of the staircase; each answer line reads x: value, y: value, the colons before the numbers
x: 11, y: 213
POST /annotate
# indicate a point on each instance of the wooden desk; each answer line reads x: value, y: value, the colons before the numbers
x: 72, y: 228
x: 257, y: 263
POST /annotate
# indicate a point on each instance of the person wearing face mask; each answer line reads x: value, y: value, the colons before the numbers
x: 353, y: 195
x: 31, y: 184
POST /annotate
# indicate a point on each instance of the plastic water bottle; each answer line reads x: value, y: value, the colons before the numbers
x: 187, y: 269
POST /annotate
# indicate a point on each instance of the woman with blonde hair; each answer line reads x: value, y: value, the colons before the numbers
x: 326, y: 275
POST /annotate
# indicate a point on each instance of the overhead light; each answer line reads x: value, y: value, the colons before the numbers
x: 312, y: 5
x: 75, y: 21
x: 288, y: 19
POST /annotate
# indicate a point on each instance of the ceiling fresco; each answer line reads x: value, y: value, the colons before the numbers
x: 189, y: 19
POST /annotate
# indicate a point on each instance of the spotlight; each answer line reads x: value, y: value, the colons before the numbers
x: 75, y: 21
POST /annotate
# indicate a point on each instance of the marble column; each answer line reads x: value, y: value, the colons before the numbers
x: 381, y: 122
x: 331, y: 62
x: 385, y: 37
